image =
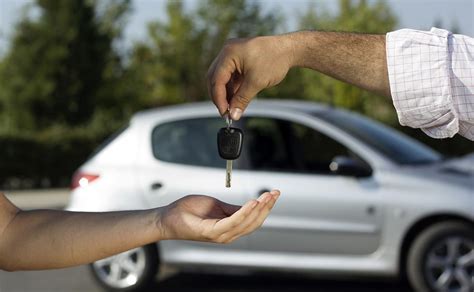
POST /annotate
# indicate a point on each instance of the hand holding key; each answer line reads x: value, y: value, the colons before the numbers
x: 244, y: 67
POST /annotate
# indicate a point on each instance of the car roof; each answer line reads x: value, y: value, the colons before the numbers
x: 208, y: 107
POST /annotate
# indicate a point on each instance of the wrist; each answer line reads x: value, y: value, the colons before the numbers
x: 160, y: 226
x: 293, y: 44
x: 303, y: 45
x: 285, y: 48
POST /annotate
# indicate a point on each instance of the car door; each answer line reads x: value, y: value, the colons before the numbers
x: 318, y: 212
x: 182, y: 159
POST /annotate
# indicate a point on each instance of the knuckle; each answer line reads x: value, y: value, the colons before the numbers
x: 231, y: 45
x: 228, y: 48
x: 243, y: 99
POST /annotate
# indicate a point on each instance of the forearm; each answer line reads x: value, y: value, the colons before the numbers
x: 358, y: 59
x: 46, y: 239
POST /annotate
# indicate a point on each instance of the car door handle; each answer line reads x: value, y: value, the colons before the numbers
x: 262, y: 191
x: 156, y: 186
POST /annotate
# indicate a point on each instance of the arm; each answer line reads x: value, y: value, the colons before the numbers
x: 358, y: 59
x: 245, y: 67
x: 45, y: 239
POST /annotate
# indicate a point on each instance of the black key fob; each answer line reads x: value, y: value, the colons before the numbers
x: 229, y: 142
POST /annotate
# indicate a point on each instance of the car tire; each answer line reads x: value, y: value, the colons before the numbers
x: 439, y: 255
x: 130, y: 271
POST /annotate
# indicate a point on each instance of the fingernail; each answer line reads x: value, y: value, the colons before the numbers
x: 235, y: 113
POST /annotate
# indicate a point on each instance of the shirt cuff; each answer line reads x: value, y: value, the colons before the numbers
x: 419, y: 75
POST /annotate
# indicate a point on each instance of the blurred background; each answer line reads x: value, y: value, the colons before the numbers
x: 73, y: 72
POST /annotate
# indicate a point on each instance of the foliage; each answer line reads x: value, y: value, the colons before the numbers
x: 60, y: 88
x: 42, y: 161
x: 352, y: 16
x: 171, y: 67
x: 60, y: 66
x: 65, y: 84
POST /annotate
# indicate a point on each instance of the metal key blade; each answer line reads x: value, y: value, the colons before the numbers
x: 228, y: 173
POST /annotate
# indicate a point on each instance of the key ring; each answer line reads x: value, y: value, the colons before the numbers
x: 228, y: 120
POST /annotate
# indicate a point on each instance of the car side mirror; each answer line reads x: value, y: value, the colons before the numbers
x: 344, y: 165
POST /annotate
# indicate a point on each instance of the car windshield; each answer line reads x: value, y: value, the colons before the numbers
x: 385, y: 140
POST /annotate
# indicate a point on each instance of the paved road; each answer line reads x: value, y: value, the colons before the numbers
x: 37, y: 199
x: 78, y: 279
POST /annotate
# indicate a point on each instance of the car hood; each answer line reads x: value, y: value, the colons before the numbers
x: 458, y: 171
x: 463, y: 165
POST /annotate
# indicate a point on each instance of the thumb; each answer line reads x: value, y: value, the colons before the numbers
x: 241, y: 100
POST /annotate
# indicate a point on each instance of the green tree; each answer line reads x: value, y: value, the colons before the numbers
x: 60, y: 89
x: 60, y: 64
x: 352, y: 16
x: 171, y: 66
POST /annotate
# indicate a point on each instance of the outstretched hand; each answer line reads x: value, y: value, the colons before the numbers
x: 244, y: 67
x: 204, y: 218
x: 46, y: 239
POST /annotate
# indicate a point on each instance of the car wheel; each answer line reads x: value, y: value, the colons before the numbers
x: 133, y: 270
x: 442, y: 258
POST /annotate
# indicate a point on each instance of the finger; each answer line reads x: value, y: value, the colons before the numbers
x: 254, y: 215
x: 229, y: 88
x: 264, y: 200
x: 251, y: 227
x: 275, y: 193
x: 241, y: 99
x: 262, y: 216
x: 210, y: 73
x: 218, y: 80
x: 227, y: 224
x: 271, y: 200
x: 236, y: 82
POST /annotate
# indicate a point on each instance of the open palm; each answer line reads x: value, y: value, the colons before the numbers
x: 204, y: 218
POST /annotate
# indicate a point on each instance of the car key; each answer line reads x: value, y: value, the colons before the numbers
x: 229, y: 144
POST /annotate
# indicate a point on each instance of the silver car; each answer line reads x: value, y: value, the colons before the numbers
x: 358, y: 198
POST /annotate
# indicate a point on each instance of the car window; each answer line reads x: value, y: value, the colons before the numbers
x: 314, y: 150
x: 385, y: 140
x: 266, y: 145
x: 191, y: 142
x: 280, y: 145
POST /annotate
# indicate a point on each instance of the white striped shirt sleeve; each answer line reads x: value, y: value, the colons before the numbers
x: 431, y: 76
